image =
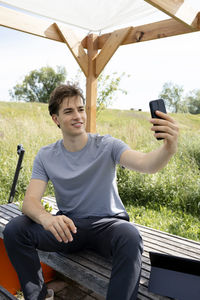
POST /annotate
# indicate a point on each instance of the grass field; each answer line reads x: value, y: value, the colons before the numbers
x: 168, y: 200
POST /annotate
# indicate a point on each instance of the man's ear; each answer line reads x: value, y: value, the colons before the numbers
x: 55, y: 119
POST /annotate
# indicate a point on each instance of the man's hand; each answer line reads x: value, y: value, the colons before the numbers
x: 60, y: 226
x: 168, y: 130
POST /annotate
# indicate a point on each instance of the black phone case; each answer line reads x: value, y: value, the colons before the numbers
x: 157, y: 105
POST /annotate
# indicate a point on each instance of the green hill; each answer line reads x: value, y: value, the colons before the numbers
x: 168, y: 200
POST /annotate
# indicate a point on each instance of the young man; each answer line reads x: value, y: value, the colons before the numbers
x: 91, y: 214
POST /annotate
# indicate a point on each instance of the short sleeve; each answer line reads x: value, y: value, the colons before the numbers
x: 118, y: 148
x: 38, y: 171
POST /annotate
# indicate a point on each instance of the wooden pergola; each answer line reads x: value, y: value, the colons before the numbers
x: 93, y: 52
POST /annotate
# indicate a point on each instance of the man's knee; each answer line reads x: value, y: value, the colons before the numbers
x: 129, y: 240
x: 133, y: 237
x: 16, y: 227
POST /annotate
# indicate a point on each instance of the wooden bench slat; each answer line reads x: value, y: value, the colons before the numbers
x: 75, y: 271
x: 161, y: 250
x: 158, y: 246
x: 95, y: 258
x: 11, y: 208
x: 98, y: 268
x: 169, y: 237
x: 5, y: 212
x: 171, y: 245
x: 3, y: 221
x: 4, y: 216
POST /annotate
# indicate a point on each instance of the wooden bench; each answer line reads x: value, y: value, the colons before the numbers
x: 93, y: 271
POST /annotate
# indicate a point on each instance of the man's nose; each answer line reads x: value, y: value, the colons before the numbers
x: 76, y: 114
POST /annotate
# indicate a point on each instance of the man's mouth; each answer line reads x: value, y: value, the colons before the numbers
x: 77, y: 124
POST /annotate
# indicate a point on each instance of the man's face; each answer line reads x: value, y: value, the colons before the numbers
x: 71, y: 116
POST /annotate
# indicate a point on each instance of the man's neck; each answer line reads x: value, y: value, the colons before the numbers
x: 75, y: 143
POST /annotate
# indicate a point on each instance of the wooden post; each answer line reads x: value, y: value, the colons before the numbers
x: 91, y: 83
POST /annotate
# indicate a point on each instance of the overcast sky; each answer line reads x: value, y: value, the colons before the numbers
x: 149, y: 64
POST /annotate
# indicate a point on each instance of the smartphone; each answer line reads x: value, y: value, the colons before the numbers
x: 154, y: 105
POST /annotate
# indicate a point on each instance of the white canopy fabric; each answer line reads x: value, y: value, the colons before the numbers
x: 92, y: 15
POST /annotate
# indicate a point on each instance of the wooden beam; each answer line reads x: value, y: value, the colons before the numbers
x: 109, y: 48
x: 148, y: 32
x: 74, y: 45
x: 91, y: 84
x: 23, y: 22
x: 179, y: 10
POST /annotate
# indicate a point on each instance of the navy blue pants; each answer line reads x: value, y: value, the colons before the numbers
x: 110, y: 237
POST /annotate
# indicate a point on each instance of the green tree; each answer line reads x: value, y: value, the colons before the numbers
x: 108, y: 86
x: 193, y: 102
x: 173, y: 96
x: 38, y: 84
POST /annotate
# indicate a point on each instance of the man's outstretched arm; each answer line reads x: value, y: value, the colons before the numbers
x: 155, y: 160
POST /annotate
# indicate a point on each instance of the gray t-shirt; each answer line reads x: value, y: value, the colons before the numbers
x: 84, y: 181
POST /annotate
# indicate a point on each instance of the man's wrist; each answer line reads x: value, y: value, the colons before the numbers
x: 42, y: 215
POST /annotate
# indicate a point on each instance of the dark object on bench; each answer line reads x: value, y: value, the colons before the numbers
x: 174, y: 276
x: 20, y: 152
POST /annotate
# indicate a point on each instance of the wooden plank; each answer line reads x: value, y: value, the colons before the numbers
x: 74, y: 45
x: 33, y: 25
x: 153, y: 246
x: 178, y: 246
x: 110, y: 47
x: 95, y: 258
x: 170, y: 242
x: 168, y: 236
x: 90, y: 265
x: 7, y: 212
x: 91, y: 83
x: 12, y: 208
x: 4, y: 211
x: 76, y: 272
x: 148, y: 32
x: 179, y: 10
x: 3, y: 221
x: 5, y: 217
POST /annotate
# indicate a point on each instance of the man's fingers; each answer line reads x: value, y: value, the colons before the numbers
x: 56, y: 234
x: 168, y: 124
x: 65, y: 229
x: 164, y: 116
x: 61, y: 227
x: 165, y: 128
x: 70, y: 224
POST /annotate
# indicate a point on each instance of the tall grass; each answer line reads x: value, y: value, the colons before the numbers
x: 168, y: 200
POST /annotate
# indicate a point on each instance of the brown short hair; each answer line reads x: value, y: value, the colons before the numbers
x: 61, y: 92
